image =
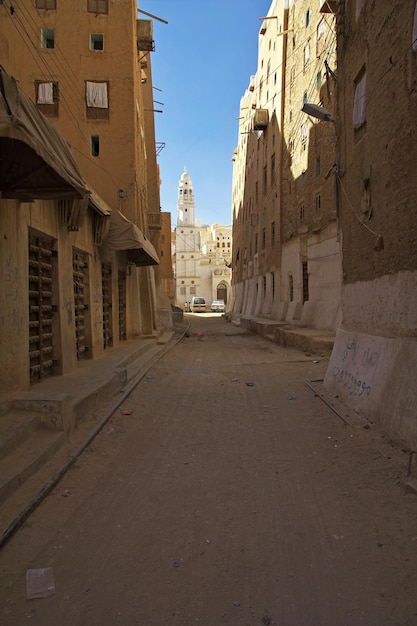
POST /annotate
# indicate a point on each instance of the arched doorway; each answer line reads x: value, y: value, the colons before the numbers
x: 222, y: 292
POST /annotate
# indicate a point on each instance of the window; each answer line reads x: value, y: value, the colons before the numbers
x: 359, y: 5
x: 272, y: 233
x: 46, y: 98
x: 319, y: 80
x: 46, y: 4
x: 95, y: 145
x: 359, y: 101
x: 97, y: 6
x: 263, y: 238
x: 306, y: 56
x: 307, y: 18
x: 318, y: 166
x: 302, y: 213
x: 305, y: 282
x: 291, y: 287
x: 272, y: 169
x: 292, y: 79
x: 47, y: 38
x: 96, y: 41
x: 318, y: 202
x: 304, y: 135
x: 97, y: 100
x: 320, y: 40
x: 265, y: 179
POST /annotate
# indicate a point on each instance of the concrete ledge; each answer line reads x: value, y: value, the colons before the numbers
x: 312, y: 340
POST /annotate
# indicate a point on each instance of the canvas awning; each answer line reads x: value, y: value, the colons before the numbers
x: 35, y: 160
x: 124, y: 235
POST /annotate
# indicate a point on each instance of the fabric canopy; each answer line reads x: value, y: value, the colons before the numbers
x: 35, y: 160
x: 124, y: 235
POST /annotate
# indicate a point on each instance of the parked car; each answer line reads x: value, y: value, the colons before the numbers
x: 218, y: 305
x: 197, y: 305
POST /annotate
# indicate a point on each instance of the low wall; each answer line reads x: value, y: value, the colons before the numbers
x: 375, y: 376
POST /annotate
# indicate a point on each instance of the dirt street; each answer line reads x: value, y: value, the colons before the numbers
x: 218, y: 502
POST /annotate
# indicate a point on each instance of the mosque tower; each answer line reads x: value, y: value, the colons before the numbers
x: 185, y: 204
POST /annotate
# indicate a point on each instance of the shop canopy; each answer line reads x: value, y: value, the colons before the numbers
x: 35, y: 160
x: 124, y: 235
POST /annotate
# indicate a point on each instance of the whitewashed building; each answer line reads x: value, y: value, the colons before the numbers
x: 202, y: 253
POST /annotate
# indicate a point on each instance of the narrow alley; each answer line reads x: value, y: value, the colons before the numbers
x: 224, y: 492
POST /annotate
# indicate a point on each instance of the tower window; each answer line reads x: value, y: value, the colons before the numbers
x: 97, y: 6
x: 45, y: 4
x: 47, y: 98
x: 47, y: 38
x: 96, y: 41
x: 95, y: 145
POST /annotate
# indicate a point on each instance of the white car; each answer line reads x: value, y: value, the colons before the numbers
x: 197, y: 305
x: 218, y: 305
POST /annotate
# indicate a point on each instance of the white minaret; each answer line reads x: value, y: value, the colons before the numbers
x: 185, y: 203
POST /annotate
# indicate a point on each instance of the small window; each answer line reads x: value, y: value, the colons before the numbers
x: 318, y: 202
x: 307, y: 18
x: 320, y: 40
x: 97, y: 6
x: 95, y: 145
x: 46, y: 4
x: 304, y: 134
x: 46, y: 98
x: 47, y: 38
x: 97, y: 100
x: 96, y: 41
x: 318, y: 166
x: 359, y: 101
x: 306, y: 56
x: 302, y: 213
x: 359, y: 6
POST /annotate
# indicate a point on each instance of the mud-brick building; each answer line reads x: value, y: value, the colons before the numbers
x: 374, y: 359
x: 77, y: 258
x: 286, y: 240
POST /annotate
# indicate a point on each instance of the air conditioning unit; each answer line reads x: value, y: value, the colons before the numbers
x: 260, y: 120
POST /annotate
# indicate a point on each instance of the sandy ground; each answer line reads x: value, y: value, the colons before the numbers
x: 218, y: 502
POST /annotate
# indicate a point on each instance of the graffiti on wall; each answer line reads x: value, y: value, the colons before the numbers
x: 357, y: 368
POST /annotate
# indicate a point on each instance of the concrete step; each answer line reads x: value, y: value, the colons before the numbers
x: 15, y: 427
x: 33, y: 447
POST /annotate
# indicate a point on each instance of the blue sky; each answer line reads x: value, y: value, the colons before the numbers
x: 202, y: 62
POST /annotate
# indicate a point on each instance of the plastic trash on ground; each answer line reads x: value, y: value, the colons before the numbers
x: 40, y: 583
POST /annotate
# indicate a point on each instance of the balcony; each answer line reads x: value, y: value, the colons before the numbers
x: 144, y: 32
x: 260, y: 120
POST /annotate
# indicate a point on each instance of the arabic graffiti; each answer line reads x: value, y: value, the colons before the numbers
x: 357, y: 368
x: 354, y: 385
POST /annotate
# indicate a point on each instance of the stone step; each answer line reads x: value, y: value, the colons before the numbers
x: 28, y: 455
x: 15, y: 427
